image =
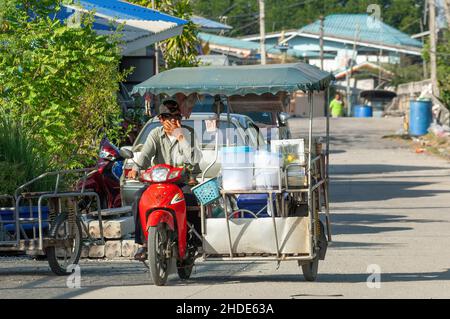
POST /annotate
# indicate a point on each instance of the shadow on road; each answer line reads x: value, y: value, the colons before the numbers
x: 322, y: 277
x: 359, y: 223
x: 342, y: 191
x: 354, y: 169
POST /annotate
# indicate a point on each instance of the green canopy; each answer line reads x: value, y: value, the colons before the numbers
x: 237, y: 80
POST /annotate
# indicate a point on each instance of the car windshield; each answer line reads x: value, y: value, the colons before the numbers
x: 260, y: 117
x: 206, y: 137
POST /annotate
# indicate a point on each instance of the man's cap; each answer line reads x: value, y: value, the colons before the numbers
x: 167, y: 107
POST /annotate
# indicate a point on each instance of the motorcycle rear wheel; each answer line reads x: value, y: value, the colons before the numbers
x: 158, y: 250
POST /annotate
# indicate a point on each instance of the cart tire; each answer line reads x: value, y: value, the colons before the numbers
x: 52, y: 256
x: 184, y: 269
x: 310, y: 270
x: 159, y: 263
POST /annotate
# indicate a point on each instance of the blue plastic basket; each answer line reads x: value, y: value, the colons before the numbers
x: 207, y: 192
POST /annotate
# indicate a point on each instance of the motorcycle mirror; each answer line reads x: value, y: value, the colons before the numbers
x: 126, y: 153
x: 283, y: 118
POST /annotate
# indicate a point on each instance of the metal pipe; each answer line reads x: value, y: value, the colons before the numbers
x: 328, y: 133
x: 310, y: 206
x: 16, y: 218
x: 216, y: 156
x: 30, y: 207
x: 327, y: 172
x: 62, y: 172
x: 228, y: 225
x: 41, y: 239
x: 318, y: 185
x: 283, y: 258
x: 274, y: 224
x: 58, y: 176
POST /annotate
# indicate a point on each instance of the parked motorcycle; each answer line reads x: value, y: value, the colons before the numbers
x: 105, y: 180
x: 162, y: 212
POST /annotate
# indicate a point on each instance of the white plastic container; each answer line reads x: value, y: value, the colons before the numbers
x: 267, y: 170
x: 237, y: 168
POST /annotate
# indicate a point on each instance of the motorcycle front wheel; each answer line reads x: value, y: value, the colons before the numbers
x: 159, y: 253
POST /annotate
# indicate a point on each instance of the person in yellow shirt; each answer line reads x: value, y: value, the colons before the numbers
x: 337, y: 106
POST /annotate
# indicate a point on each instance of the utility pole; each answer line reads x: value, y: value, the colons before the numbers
x: 321, y: 40
x: 422, y: 29
x: 433, y: 42
x: 349, y: 73
x: 156, y: 47
x: 262, y: 30
x: 380, y: 55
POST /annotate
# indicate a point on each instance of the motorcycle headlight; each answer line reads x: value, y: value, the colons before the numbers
x: 160, y: 174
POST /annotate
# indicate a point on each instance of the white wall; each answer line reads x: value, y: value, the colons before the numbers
x: 366, y: 84
x: 329, y: 65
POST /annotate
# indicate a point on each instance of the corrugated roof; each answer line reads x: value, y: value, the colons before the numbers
x: 130, y: 14
x: 371, y: 30
x: 125, y: 10
x: 253, y: 46
x: 210, y: 24
x: 143, y: 26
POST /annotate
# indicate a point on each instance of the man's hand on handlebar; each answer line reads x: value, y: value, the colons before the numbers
x: 132, y: 174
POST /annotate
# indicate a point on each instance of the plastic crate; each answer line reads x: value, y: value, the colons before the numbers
x: 254, y: 203
x: 207, y: 192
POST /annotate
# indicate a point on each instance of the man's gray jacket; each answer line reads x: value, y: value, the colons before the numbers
x: 158, y: 149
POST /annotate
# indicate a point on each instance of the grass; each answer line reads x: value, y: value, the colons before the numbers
x: 19, y: 160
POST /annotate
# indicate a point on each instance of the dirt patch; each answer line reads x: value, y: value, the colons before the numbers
x: 430, y: 144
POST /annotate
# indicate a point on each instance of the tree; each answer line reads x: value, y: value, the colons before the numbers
x: 182, y: 50
x: 443, y: 65
x: 58, y: 82
x: 293, y: 14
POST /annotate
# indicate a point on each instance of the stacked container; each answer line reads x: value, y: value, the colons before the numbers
x: 237, y: 168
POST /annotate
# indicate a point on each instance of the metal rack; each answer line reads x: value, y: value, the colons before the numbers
x: 36, y: 244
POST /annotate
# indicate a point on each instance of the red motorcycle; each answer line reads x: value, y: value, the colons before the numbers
x: 105, y: 180
x: 162, y: 212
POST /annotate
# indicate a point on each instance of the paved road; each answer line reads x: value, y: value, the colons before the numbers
x: 391, y: 210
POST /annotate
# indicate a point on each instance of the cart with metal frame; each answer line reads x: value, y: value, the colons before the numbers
x: 276, y: 238
x: 49, y: 223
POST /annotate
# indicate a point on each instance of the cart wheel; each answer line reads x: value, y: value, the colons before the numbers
x: 60, y: 259
x: 158, y: 249
x: 310, y: 270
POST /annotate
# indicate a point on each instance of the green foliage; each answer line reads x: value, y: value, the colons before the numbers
x: 182, y: 50
x: 443, y: 65
x: 443, y: 68
x: 293, y: 14
x: 58, y: 81
x: 405, y: 72
x: 20, y: 159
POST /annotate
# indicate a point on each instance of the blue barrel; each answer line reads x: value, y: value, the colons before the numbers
x: 419, y: 117
x: 362, y: 111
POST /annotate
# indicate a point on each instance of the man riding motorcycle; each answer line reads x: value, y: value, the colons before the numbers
x: 175, y: 145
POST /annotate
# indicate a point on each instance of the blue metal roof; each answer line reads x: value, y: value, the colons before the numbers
x: 254, y: 46
x: 127, y: 11
x: 210, y: 24
x: 371, y: 30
